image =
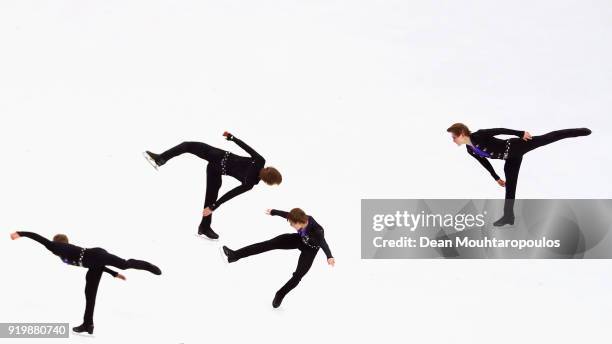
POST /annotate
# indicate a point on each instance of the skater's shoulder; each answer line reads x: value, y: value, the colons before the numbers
x: 479, y: 132
x: 313, y: 224
x: 68, y: 245
x: 260, y: 161
x: 481, y: 136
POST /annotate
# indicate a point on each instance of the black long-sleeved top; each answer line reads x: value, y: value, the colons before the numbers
x: 315, y: 236
x: 68, y: 253
x: 486, y: 141
x: 245, y: 169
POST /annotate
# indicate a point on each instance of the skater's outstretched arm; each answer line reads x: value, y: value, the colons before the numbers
x: 111, y: 272
x: 243, y: 145
x: 231, y: 194
x: 486, y: 164
x: 50, y: 245
x: 280, y: 213
x: 502, y: 131
x: 320, y: 238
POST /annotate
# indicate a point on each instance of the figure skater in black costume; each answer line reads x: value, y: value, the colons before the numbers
x: 483, y: 145
x: 248, y: 170
x: 95, y: 260
x: 308, y: 239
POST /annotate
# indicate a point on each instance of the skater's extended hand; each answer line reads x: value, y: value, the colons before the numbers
x: 331, y: 261
x: 121, y: 277
x: 501, y: 183
x: 269, y: 211
x: 527, y: 136
x: 15, y: 236
x: 207, y: 212
x: 228, y: 135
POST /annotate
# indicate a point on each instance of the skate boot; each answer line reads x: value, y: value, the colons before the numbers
x: 208, y: 233
x: 154, y: 159
x: 278, y: 299
x: 504, y: 220
x: 228, y: 255
x: 84, y: 328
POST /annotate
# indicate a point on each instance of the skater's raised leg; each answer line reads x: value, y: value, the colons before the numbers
x: 282, y: 242
x: 142, y: 265
x: 553, y: 136
x: 199, y: 149
x: 307, y: 256
x: 98, y: 257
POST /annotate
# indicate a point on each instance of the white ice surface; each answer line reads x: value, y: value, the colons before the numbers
x: 350, y: 99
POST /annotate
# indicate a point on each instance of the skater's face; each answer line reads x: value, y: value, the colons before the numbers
x: 297, y: 225
x: 459, y: 139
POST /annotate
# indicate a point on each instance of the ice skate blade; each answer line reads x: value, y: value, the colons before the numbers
x: 202, y: 236
x: 223, y: 256
x: 150, y: 160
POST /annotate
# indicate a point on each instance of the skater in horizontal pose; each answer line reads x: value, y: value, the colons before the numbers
x: 95, y: 260
x: 247, y: 170
x: 483, y: 145
x: 308, y: 239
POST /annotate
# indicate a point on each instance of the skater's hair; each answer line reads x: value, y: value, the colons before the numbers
x: 270, y: 175
x: 458, y: 129
x: 60, y: 238
x: 297, y: 215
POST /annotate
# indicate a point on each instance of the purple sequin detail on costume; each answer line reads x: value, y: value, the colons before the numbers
x: 480, y: 152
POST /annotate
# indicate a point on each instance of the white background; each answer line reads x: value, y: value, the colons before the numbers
x: 350, y: 100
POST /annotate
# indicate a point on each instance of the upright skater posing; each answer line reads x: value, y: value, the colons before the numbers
x: 95, y: 260
x: 248, y: 170
x: 483, y: 145
x: 308, y: 239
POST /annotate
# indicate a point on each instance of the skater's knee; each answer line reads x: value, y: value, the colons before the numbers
x: 193, y: 147
x: 275, y: 241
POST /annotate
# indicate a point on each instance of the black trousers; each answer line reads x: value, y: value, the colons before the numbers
x: 520, y: 147
x: 213, y: 171
x: 284, y: 242
x: 96, y: 259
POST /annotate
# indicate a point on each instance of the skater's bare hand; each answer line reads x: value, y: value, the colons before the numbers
x: 207, y: 212
x: 15, y: 236
x: 331, y: 261
x: 121, y: 277
x: 269, y: 211
x: 527, y: 136
x: 501, y: 183
x: 228, y: 135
